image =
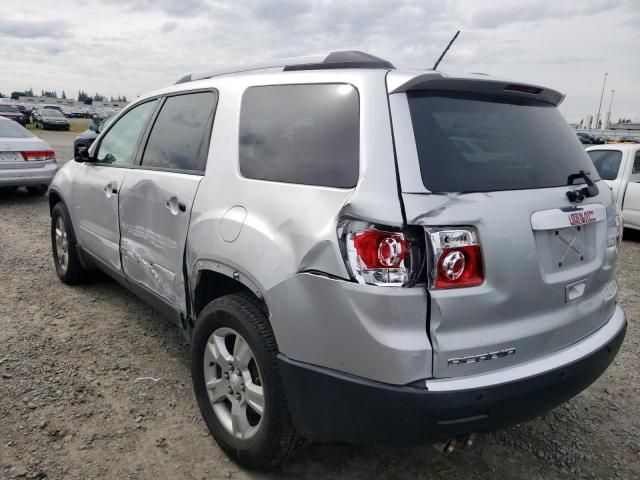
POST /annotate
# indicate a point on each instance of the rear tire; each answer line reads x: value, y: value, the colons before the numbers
x: 37, y: 190
x: 64, y: 247
x: 270, y: 439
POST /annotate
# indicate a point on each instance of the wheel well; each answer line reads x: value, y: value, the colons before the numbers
x: 212, y: 285
x: 53, y: 199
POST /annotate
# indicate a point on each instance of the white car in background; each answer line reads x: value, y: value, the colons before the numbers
x: 25, y: 160
x: 619, y: 166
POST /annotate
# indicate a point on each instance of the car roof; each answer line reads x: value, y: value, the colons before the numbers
x: 623, y: 147
x: 361, y: 63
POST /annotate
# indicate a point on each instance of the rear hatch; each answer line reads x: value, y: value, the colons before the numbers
x: 493, y: 159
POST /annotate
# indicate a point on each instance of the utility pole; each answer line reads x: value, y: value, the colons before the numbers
x: 601, y: 97
x: 609, y: 112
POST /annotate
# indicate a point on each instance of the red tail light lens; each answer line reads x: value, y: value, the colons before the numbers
x: 378, y: 249
x: 383, y: 256
x: 457, y: 258
x: 39, y: 156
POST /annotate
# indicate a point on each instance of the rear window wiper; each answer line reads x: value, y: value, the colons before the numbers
x: 577, y: 196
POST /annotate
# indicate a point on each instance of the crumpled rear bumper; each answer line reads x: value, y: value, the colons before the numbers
x: 327, y: 405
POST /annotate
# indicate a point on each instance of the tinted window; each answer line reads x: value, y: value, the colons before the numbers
x: 9, y: 108
x: 118, y: 146
x: 636, y: 163
x: 607, y: 162
x: 180, y: 135
x: 473, y: 143
x: 52, y: 113
x: 306, y: 134
x: 10, y: 129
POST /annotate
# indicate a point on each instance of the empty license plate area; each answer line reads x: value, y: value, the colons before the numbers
x: 568, y: 239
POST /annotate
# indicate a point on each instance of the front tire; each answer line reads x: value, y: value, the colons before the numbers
x: 237, y: 383
x: 64, y: 247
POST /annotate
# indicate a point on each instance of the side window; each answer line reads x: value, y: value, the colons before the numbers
x: 305, y: 134
x: 118, y: 146
x: 636, y: 163
x: 180, y: 135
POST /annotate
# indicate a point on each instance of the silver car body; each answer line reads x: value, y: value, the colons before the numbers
x: 15, y: 171
x: 280, y: 241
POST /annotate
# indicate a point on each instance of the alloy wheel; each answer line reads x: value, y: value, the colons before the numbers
x: 234, y: 383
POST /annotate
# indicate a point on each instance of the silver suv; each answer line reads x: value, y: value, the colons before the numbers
x: 356, y: 253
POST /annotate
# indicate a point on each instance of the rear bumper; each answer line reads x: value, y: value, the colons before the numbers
x: 24, y: 177
x: 326, y: 405
x: 55, y: 126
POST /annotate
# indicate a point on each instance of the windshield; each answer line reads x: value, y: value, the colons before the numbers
x: 52, y: 113
x: 8, y: 108
x: 10, y: 129
x: 481, y: 143
x: 607, y: 162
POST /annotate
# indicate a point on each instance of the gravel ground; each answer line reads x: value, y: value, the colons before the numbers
x: 75, y: 403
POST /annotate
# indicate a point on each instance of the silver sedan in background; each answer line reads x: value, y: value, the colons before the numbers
x: 25, y: 160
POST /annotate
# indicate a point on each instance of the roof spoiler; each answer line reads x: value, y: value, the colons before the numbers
x: 333, y: 60
x: 478, y: 83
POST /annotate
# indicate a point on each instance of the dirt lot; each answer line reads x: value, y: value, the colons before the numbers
x: 75, y: 403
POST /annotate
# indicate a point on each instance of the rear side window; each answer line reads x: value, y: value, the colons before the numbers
x: 607, y: 162
x: 480, y: 143
x: 636, y: 163
x: 180, y: 136
x: 306, y: 134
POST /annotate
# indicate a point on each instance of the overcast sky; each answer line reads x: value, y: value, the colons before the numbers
x: 117, y: 47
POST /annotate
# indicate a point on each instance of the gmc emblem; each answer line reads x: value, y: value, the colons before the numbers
x: 582, y: 218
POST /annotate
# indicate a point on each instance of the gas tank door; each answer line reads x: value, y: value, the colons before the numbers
x: 232, y: 222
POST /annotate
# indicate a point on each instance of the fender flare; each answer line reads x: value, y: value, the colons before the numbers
x: 224, y: 269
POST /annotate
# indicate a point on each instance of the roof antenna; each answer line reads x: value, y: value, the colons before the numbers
x: 446, y: 50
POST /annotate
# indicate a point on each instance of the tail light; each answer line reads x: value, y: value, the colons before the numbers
x: 457, y: 258
x: 383, y: 256
x: 38, y: 156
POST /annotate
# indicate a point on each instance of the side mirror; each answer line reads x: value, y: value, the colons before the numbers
x: 82, y: 155
x: 93, y: 127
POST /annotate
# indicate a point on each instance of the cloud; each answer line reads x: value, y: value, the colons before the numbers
x: 33, y: 28
x: 537, y: 12
x: 181, y: 8
x: 169, y: 27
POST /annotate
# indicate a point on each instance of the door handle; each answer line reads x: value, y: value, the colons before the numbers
x: 110, y: 189
x: 175, y: 206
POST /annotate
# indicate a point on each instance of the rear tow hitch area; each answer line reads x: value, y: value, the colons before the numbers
x: 447, y: 447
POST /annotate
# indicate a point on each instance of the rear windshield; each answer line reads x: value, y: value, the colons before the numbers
x: 481, y: 143
x: 607, y: 162
x: 10, y: 129
x: 52, y: 113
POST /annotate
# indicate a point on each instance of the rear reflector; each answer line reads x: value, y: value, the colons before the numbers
x: 39, y: 155
x: 457, y: 258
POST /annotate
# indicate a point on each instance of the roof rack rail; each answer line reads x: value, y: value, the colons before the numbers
x: 333, y: 60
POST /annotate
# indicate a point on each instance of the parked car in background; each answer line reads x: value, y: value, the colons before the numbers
x: 584, y: 140
x: 11, y: 112
x: 51, y: 119
x: 25, y: 160
x: 24, y: 111
x: 39, y: 108
x: 86, y: 138
x: 628, y: 139
x: 619, y: 166
x: 356, y: 253
x: 592, y: 138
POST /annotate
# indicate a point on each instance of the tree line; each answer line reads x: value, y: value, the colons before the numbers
x: 82, y: 96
